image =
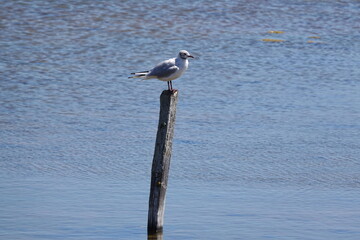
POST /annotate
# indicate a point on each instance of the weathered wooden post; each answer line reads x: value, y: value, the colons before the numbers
x: 155, y: 236
x: 161, y: 160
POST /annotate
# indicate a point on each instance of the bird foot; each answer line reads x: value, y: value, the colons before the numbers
x: 172, y: 91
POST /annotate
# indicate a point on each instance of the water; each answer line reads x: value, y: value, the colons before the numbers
x: 267, y: 137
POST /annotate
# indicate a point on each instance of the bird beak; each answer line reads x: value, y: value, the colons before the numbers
x: 191, y: 56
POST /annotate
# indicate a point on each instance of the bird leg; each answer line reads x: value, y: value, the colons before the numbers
x: 170, y: 87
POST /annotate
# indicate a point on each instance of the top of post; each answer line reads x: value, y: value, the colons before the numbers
x: 171, y: 93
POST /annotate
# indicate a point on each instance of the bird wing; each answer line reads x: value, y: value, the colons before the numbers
x: 139, y: 72
x: 164, y: 69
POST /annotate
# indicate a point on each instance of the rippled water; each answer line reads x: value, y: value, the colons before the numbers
x: 267, y: 138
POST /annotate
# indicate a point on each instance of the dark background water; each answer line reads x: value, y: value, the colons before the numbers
x: 267, y: 138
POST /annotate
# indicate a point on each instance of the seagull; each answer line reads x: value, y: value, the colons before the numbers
x: 167, y: 70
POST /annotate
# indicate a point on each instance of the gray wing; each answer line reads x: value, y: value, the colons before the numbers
x: 164, y: 69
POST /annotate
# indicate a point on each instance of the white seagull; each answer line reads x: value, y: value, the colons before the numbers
x: 167, y: 70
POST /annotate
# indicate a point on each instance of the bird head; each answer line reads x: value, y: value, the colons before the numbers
x: 185, y: 54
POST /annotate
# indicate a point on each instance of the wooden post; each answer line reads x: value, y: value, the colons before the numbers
x: 161, y: 160
x: 155, y: 236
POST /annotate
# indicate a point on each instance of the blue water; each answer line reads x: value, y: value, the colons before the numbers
x: 267, y: 136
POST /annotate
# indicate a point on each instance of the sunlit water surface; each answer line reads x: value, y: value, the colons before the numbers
x: 267, y: 137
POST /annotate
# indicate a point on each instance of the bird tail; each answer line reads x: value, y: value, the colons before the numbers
x: 139, y: 74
